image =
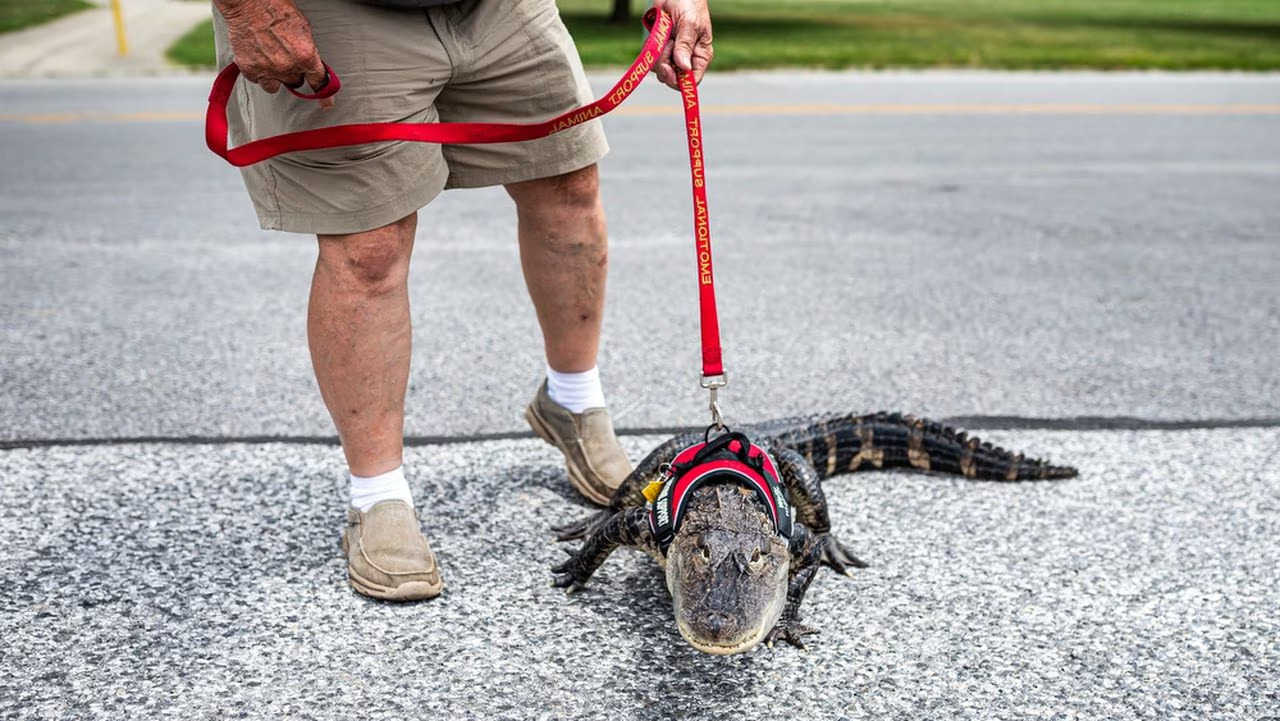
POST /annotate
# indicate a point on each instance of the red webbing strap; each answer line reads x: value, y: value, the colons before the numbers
x: 657, y: 22
x: 711, y: 361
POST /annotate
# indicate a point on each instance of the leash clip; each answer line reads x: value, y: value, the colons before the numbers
x: 714, y: 384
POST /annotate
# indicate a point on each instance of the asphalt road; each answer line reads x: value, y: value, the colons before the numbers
x: 1015, y: 263
x: 1060, y: 248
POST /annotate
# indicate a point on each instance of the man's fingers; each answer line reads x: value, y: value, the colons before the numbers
x: 666, y: 75
x: 316, y: 76
x: 274, y: 47
x: 682, y: 52
x: 701, y: 60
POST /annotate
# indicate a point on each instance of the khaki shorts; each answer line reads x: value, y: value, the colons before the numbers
x: 476, y: 60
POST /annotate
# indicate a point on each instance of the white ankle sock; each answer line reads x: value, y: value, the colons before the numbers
x: 389, y: 486
x: 576, y: 391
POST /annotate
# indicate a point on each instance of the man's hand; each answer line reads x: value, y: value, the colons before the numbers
x: 272, y: 44
x: 690, y: 48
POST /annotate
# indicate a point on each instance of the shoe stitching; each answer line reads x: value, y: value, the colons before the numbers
x: 431, y: 557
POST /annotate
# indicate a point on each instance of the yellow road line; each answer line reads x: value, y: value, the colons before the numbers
x: 815, y: 109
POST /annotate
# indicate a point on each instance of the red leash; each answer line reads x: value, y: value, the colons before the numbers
x: 215, y: 128
x: 657, y: 22
x: 713, y: 375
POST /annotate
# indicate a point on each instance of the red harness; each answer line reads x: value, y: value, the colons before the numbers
x: 729, y: 458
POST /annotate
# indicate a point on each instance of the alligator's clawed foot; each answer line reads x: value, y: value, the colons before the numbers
x: 566, y: 575
x: 837, y: 557
x: 580, y: 528
x: 793, y: 632
x: 568, y: 583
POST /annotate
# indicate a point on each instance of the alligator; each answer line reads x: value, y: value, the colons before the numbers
x: 734, y: 579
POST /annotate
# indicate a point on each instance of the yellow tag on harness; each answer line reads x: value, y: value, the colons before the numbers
x: 652, y: 490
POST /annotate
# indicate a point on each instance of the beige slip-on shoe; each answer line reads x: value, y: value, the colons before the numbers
x: 388, y: 558
x: 597, y: 464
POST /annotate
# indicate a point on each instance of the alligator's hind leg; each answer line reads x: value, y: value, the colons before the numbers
x: 631, y: 492
x: 804, y: 487
x: 806, y: 556
x: 629, y: 527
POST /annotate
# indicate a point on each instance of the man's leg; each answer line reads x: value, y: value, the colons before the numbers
x: 359, y: 331
x: 360, y: 336
x: 564, y: 254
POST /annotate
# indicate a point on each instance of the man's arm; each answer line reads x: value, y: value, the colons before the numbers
x: 272, y: 44
x: 691, y: 47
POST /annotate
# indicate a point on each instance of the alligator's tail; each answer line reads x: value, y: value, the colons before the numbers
x: 849, y: 443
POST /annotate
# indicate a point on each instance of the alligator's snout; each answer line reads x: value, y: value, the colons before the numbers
x: 727, y: 571
x: 717, y: 624
x: 727, y: 607
x: 715, y: 630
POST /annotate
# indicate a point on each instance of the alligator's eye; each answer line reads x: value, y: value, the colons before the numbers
x: 757, y: 560
x: 704, y: 553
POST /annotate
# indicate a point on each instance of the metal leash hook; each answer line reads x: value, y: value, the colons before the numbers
x: 714, y: 384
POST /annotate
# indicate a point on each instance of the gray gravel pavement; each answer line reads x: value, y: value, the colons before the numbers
x: 1035, y: 245
x: 206, y: 582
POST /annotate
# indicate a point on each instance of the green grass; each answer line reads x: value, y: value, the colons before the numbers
x: 1025, y: 34
x: 19, y: 14
x: 195, y: 49
x: 1010, y: 34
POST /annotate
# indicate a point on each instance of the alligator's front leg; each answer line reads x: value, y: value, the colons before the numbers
x: 804, y: 487
x: 806, y: 557
x: 631, y: 492
x: 629, y: 527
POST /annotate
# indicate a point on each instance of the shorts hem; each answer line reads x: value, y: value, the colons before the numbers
x: 589, y: 154
x: 344, y: 223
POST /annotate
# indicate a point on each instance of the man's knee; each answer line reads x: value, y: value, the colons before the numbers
x: 576, y: 191
x: 373, y: 261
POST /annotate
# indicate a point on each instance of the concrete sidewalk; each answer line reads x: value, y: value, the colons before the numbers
x: 84, y: 44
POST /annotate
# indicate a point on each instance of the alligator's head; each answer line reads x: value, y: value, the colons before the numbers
x: 727, y: 570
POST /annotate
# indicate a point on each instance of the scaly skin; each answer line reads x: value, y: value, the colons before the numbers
x: 733, y: 581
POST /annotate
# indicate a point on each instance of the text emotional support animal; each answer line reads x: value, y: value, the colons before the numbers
x: 737, y: 565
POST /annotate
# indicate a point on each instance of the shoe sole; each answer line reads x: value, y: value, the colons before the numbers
x: 576, y: 479
x: 407, y: 591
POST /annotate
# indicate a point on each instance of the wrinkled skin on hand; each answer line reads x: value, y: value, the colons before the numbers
x: 272, y: 44
x: 690, y: 44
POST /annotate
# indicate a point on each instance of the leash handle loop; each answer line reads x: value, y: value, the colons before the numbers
x: 328, y: 87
